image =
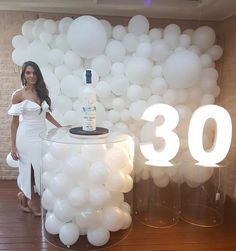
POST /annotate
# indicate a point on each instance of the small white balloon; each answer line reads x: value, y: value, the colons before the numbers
x: 69, y: 234
x: 98, y: 236
x: 11, y: 162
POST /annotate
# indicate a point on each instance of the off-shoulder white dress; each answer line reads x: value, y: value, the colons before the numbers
x: 28, y: 142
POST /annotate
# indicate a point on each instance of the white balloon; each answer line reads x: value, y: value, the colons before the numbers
x: 107, y: 26
x: 61, y: 42
x: 117, y: 69
x: 119, y: 84
x: 155, y: 34
x: 64, y: 24
x: 27, y: 29
x: 98, y: 172
x: 204, y: 37
x: 155, y: 99
x: 157, y: 71
x: 130, y: 42
x: 20, y: 42
x: 207, y: 99
x: 172, y: 28
x: 182, y: 69
x: 78, y: 197
x: 113, y: 116
x: 69, y: 234
x: 99, y: 196
x: 171, y: 39
x: 118, y: 104
x: 138, y: 70
x: 63, y: 210
x: 119, y: 32
x: 76, y: 166
x: 38, y: 52
x: 52, y: 224
x: 50, y: 26
x: 60, y: 185
x: 103, y: 89
x: 102, y: 65
x: 206, y: 60
x: 62, y: 103
x: 46, y: 37
x: 144, y: 38
x: 127, y: 220
x: 137, y: 108
x: 115, y: 50
x: 184, y: 40
x: 52, y: 82
x: 138, y: 25
x: 72, y: 60
x: 160, y: 51
x: 87, y: 36
x: 93, y: 152
x: 70, y: 86
x: 215, y: 52
x: 170, y: 97
x: 61, y: 71
x: 112, y: 218
x: 158, y: 86
x: 98, y: 236
x: 11, y: 162
x: 144, y: 50
x: 134, y: 92
x: 19, y: 56
x: 48, y: 200
x: 55, y: 57
x: 124, y: 115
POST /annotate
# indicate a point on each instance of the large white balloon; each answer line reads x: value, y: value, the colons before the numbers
x: 182, y: 69
x: 87, y: 36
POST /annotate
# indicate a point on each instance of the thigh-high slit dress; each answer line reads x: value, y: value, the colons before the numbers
x: 28, y: 142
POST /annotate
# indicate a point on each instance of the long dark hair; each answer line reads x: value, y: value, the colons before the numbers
x: 40, y: 87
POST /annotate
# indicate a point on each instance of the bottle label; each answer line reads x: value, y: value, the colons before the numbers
x: 89, y: 112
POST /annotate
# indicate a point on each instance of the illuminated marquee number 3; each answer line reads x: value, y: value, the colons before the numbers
x: 200, y: 116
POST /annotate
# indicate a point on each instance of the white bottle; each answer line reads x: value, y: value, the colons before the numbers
x: 88, y: 105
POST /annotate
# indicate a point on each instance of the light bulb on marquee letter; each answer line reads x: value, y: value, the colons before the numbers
x: 171, y: 118
x: 222, y: 138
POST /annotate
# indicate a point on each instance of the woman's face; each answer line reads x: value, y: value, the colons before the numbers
x: 30, y: 76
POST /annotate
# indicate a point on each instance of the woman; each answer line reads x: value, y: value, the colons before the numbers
x: 33, y: 103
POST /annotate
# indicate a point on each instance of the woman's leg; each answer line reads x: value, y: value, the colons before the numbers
x: 34, y: 203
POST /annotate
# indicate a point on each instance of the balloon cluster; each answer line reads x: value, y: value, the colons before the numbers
x: 133, y: 68
x: 83, y: 190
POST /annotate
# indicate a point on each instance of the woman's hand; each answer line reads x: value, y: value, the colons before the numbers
x: 14, y: 153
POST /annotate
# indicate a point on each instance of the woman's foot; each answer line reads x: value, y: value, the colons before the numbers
x: 22, y: 201
x: 35, y: 210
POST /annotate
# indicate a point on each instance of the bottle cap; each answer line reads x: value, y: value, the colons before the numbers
x: 88, y: 76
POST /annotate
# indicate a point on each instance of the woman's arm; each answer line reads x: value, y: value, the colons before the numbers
x: 16, y: 98
x: 14, y: 126
x: 50, y: 118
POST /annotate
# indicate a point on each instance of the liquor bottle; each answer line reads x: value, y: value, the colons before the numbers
x: 88, y: 104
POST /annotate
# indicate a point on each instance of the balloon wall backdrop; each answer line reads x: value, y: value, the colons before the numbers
x: 133, y: 67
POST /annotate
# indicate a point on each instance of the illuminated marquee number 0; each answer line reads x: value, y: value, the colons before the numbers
x: 195, y: 135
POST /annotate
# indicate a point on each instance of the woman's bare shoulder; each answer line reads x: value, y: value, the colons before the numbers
x: 17, y: 96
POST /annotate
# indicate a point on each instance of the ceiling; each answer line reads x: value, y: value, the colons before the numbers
x: 173, y: 9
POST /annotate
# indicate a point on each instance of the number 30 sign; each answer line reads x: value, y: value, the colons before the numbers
x: 210, y: 157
